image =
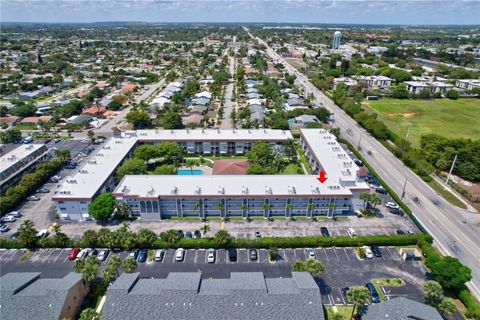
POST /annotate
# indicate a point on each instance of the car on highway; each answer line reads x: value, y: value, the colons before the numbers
x: 134, y: 254
x: 4, y: 228
x: 42, y: 190
x: 142, y: 256
x: 232, y: 255
x: 311, y: 253
x: 368, y: 252
x: 211, y: 255
x: 159, y: 255
x: 103, y: 254
x: 324, y: 232
x: 179, y: 254
x: 72, y: 254
x: 253, y: 254
x: 33, y: 198
x: 376, y: 250
x: 373, y: 292
x: 8, y: 218
x: 392, y: 205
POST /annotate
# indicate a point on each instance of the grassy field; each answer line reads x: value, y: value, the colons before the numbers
x: 345, y: 312
x: 449, y: 118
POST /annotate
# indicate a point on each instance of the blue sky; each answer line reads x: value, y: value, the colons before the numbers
x: 300, y: 11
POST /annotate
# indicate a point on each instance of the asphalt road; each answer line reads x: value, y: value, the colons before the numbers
x: 456, y: 231
x: 342, y: 267
x: 229, y: 104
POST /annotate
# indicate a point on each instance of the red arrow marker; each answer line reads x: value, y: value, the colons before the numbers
x: 322, y: 177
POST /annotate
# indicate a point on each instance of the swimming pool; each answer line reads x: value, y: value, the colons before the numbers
x: 188, y: 172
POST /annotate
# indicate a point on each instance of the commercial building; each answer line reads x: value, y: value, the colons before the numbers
x: 24, y: 295
x: 468, y: 84
x: 337, y: 36
x: 19, y: 160
x: 188, y: 296
x: 98, y: 174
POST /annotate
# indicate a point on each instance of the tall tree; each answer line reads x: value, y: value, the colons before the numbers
x: 27, y: 233
x: 433, y: 292
x: 359, y: 296
x: 129, y: 265
x: 102, y: 207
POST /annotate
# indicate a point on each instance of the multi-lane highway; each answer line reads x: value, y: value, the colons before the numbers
x: 456, y: 231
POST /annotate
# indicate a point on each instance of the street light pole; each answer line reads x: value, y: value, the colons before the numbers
x: 451, y: 169
x: 403, y: 190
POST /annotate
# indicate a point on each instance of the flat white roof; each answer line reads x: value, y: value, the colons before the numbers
x: 18, y: 158
x: 336, y: 163
x: 154, y: 186
x: 86, y: 182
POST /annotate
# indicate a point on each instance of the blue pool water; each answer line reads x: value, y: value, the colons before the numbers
x: 188, y: 172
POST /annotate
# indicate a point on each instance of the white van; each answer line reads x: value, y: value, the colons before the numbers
x: 27, y: 140
x: 351, y: 232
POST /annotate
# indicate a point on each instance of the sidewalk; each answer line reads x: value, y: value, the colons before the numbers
x: 455, y: 193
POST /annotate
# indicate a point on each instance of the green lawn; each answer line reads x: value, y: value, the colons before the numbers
x: 449, y: 118
x: 345, y: 312
x: 292, y: 168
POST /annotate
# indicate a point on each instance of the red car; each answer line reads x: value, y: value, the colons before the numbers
x: 72, y: 254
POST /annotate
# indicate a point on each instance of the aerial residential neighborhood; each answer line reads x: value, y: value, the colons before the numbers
x: 239, y: 160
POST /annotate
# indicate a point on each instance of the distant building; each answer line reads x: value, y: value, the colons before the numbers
x: 337, y: 36
x: 186, y: 295
x: 25, y: 295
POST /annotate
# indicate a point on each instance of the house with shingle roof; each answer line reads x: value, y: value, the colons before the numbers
x: 401, y: 309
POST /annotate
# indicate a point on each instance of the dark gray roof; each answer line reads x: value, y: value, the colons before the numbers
x: 187, y: 296
x: 27, y: 296
x: 401, y: 309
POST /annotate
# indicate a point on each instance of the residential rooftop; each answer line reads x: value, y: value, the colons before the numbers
x: 187, y: 295
x: 19, y: 158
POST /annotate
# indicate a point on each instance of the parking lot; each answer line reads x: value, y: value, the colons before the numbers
x: 342, y: 267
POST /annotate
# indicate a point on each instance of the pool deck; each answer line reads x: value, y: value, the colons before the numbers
x: 206, y: 170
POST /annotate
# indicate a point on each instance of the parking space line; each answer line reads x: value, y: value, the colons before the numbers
x: 341, y: 295
x: 195, y: 257
x: 326, y: 255
x: 58, y: 256
x: 346, y: 254
x: 335, y: 250
x: 284, y: 255
x: 391, y: 254
x: 295, y: 254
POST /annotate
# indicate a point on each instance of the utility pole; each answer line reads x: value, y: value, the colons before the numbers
x: 451, y: 169
x: 404, y: 186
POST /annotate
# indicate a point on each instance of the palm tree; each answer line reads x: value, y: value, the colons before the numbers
x: 358, y: 295
x: 221, y: 207
x: 289, y: 148
x: 310, y: 207
x: 123, y: 208
x: 190, y: 164
x: 197, y: 206
x: 332, y: 206
x: 129, y: 264
x: 365, y: 196
x: 27, y: 233
x: 375, y: 200
x: 56, y: 228
x: 289, y: 207
x: 222, y: 237
x: 244, y: 208
x: 205, y: 228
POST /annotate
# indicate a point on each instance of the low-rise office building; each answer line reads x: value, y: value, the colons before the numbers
x: 20, y: 160
x: 24, y: 295
x: 188, y: 296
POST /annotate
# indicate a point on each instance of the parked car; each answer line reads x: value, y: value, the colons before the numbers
x: 180, y: 233
x: 188, y: 235
x: 344, y: 292
x: 253, y: 254
x: 311, y: 253
x: 72, y: 254
x: 373, y: 292
x: 180, y: 254
x: 8, y: 219
x: 43, y: 233
x: 258, y: 235
x: 376, y: 251
x: 43, y: 190
x: 134, y: 254
x: 324, y: 232
x: 14, y: 235
x: 56, y: 141
x: 159, y: 255
x: 358, y: 162
x: 351, y: 232
x: 368, y: 252
x: 57, y: 177
x: 33, y: 198
x: 381, y: 190
x: 70, y: 166
x: 4, y: 228
x: 93, y: 252
x: 83, y: 253
x: 142, y: 256
x: 392, y: 205
x: 400, y: 232
x: 16, y: 214
x: 211, y: 256
x: 197, y: 234
x: 103, y: 254
x: 232, y: 255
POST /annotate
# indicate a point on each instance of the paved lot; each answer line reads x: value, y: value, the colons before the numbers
x: 74, y: 146
x: 343, y: 269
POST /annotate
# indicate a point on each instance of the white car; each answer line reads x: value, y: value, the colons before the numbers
x: 15, y: 214
x: 83, y: 253
x: 392, y: 205
x: 57, y: 177
x: 311, y: 253
x: 43, y: 233
x: 351, y: 232
x: 368, y: 252
x: 33, y: 198
x: 211, y: 256
x: 8, y: 219
x: 179, y: 254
